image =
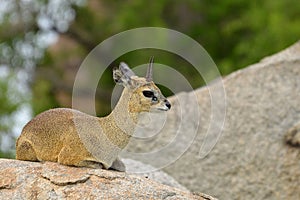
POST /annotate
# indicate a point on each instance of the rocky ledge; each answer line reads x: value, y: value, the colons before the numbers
x: 33, y: 180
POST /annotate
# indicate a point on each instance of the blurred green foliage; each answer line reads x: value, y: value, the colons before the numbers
x: 10, y: 100
x: 235, y: 33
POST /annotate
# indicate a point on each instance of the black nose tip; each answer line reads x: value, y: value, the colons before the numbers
x: 168, y: 104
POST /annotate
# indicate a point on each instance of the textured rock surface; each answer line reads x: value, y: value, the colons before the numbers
x: 252, y: 159
x: 30, y: 180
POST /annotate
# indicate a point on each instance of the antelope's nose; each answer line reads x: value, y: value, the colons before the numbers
x: 167, y: 103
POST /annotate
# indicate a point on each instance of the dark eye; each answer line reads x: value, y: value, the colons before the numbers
x: 148, y: 93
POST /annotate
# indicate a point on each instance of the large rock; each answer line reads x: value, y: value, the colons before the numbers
x: 34, y: 180
x: 152, y: 173
x: 253, y: 158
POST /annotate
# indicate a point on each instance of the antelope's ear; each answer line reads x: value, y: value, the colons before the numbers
x: 122, y: 76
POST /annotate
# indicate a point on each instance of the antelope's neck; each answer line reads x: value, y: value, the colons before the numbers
x: 121, y: 117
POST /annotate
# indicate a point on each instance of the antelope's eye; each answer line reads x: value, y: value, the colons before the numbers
x: 148, y: 93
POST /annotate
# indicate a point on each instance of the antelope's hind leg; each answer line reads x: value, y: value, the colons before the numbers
x: 25, y: 151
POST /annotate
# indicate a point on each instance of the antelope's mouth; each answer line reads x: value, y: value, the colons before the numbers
x: 163, y: 109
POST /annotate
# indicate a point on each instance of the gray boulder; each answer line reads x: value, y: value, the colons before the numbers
x: 253, y: 158
x: 134, y: 167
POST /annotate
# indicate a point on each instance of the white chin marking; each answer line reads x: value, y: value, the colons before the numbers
x: 158, y: 110
x: 162, y: 109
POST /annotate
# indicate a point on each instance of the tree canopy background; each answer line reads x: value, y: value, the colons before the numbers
x: 42, y: 44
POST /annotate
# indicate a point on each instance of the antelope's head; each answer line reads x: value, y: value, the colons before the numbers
x: 145, y: 96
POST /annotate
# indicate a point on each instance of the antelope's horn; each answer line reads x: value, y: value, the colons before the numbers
x: 149, y: 70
